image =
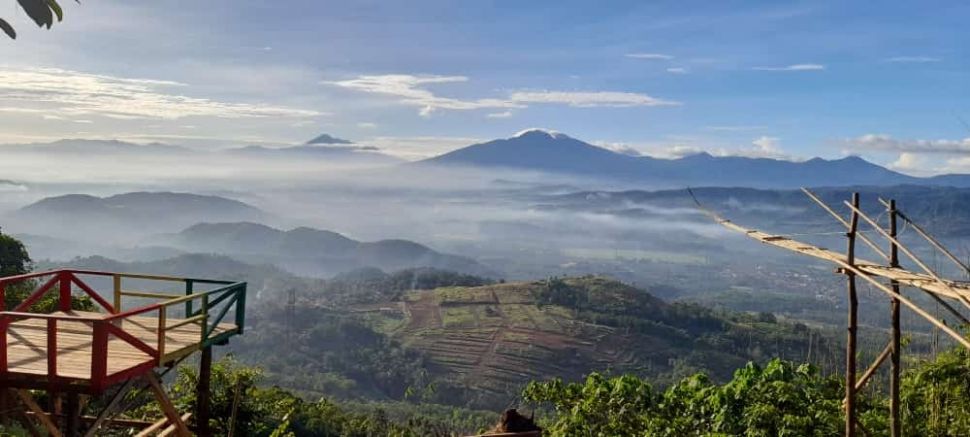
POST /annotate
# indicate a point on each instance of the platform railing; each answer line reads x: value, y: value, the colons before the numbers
x: 231, y: 294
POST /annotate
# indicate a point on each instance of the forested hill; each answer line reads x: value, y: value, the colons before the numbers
x: 478, y: 346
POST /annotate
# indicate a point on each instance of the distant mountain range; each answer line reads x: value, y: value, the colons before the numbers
x: 325, y: 148
x: 546, y: 151
x: 313, y: 251
x: 943, y: 211
x: 328, y: 139
x: 115, y: 218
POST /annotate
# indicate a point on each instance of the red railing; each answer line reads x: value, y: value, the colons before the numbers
x: 233, y: 294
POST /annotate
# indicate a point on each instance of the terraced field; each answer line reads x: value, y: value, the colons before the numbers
x: 494, y: 339
x: 488, y: 342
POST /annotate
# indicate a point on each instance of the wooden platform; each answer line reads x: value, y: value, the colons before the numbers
x: 27, y: 340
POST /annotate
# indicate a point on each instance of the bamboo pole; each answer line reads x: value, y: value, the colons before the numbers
x: 895, y: 427
x: 845, y: 223
x: 933, y: 241
x: 853, y: 322
x: 912, y: 256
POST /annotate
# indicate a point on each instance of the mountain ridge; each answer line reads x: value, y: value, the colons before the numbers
x: 306, y: 250
x: 553, y: 152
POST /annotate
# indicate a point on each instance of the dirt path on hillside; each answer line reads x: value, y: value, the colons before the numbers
x: 424, y: 313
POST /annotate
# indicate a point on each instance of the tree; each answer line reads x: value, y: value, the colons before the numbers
x: 41, y: 11
x: 14, y: 259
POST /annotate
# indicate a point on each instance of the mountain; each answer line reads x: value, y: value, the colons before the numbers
x: 943, y: 211
x: 552, y: 152
x: 334, y: 154
x: 334, y: 150
x: 313, y: 251
x: 83, y: 217
x: 96, y: 147
x: 327, y: 139
x: 8, y: 185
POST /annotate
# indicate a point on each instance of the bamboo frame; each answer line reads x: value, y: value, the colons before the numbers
x: 929, y: 282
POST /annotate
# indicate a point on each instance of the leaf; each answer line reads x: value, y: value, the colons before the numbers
x: 39, y: 11
x: 8, y: 29
x: 57, y: 9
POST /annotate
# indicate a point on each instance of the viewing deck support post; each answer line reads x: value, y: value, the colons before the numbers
x: 203, y: 394
x: 895, y: 426
x: 853, y: 322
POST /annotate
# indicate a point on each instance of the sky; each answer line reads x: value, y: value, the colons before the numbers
x: 888, y: 82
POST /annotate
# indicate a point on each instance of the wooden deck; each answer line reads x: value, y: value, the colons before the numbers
x: 27, y: 344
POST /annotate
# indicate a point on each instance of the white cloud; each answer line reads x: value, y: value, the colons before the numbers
x: 765, y: 147
x: 678, y: 70
x: 410, y: 90
x: 793, y: 67
x: 886, y: 143
x: 735, y: 128
x: 420, y: 147
x: 622, y: 148
x: 652, y: 56
x: 911, y: 163
x: 71, y: 93
x: 505, y: 114
x: 761, y: 147
x: 914, y: 59
x: 590, y: 99
x: 367, y: 125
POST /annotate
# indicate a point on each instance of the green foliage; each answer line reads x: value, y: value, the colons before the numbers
x: 42, y: 12
x: 274, y: 412
x: 935, y: 396
x: 779, y: 399
x: 15, y: 260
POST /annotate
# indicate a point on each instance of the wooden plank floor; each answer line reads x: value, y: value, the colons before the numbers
x: 27, y: 344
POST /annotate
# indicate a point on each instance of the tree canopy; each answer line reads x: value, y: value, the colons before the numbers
x: 43, y: 12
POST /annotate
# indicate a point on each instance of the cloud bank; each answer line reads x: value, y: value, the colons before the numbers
x: 60, y: 92
x: 412, y: 90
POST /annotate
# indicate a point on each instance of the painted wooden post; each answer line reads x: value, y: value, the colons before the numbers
x: 52, y: 349
x: 99, y: 355
x: 241, y: 308
x: 162, y: 321
x: 853, y: 321
x: 64, y: 285
x: 189, y: 285
x: 117, y: 292
x: 205, y: 318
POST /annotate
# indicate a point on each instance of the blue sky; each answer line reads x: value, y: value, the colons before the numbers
x: 888, y: 82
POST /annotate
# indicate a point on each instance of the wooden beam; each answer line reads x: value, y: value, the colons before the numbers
x: 872, y: 368
x: 171, y: 428
x: 933, y: 241
x: 866, y: 271
x: 39, y: 413
x: 108, y: 409
x: 894, y: 240
x: 166, y: 404
x: 845, y: 223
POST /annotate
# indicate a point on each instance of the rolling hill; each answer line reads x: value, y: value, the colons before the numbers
x: 114, y: 218
x: 493, y: 338
x: 313, y: 251
x: 551, y: 152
